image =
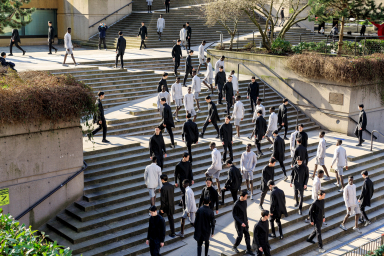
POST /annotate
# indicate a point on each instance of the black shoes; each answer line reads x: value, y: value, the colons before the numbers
x: 24, y: 52
x: 55, y: 50
x: 281, y: 237
x: 201, y: 135
x: 310, y: 241
x: 10, y: 54
x: 105, y: 141
x: 286, y: 138
x: 359, y: 145
x: 248, y: 252
x: 217, y: 136
x: 89, y: 135
x: 234, y: 248
x: 296, y: 205
x: 221, y: 203
x: 261, y: 207
x: 49, y: 53
x: 172, y: 235
x: 272, y: 235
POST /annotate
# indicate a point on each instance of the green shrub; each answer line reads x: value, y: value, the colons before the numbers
x: 249, y: 45
x: 17, y: 240
x: 378, y: 252
x: 371, y: 46
x: 281, y: 46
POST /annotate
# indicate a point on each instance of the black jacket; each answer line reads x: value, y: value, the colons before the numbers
x: 362, y: 120
x: 239, y: 213
x: 161, y: 83
x: 183, y: 170
x: 212, y: 113
x: 51, y: 33
x: 228, y: 91
x: 176, y: 52
x: 234, y: 178
x: 156, y: 229
x: 300, y: 153
x: 260, y: 127
x: 282, y: 114
x: 267, y: 174
x: 300, y: 175
x: 190, y: 132
x: 304, y: 138
x: 260, y: 235
x: 157, y: 145
x: 142, y: 32
x: 220, y: 78
x: 100, y: 112
x: 188, y: 63
x: 189, y: 32
x: 279, y: 149
x: 3, y: 62
x: 15, y: 36
x: 204, y: 224
x: 226, y: 133
x: 120, y: 46
x: 213, y: 196
x: 277, y: 201
x: 366, y: 192
x: 281, y: 14
x: 316, y: 212
x: 253, y: 90
x: 167, y: 199
x: 167, y: 116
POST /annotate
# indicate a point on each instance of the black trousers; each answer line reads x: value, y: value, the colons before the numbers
x: 170, y: 132
x: 266, y: 251
x: 229, y: 105
x: 272, y: 220
x: 103, y: 126
x: 253, y: 103
x: 199, y: 246
x: 166, y: 7
x: 189, y: 146
x: 263, y: 194
x: 171, y: 221
x: 286, y: 128
x: 160, y: 160
x: 121, y: 60
x: 359, y: 135
x: 240, y: 232
x: 316, y: 232
x: 189, y: 43
x: 143, y: 43
x: 51, y: 46
x: 257, y: 143
x: 207, y: 123
x: 220, y: 92
x: 16, y: 44
x: 301, y: 191
x: 233, y: 193
x: 283, y: 167
x: 363, y: 214
x: 187, y: 71
x: 177, y: 64
x: 227, y: 145
x: 154, y: 247
x: 102, y: 40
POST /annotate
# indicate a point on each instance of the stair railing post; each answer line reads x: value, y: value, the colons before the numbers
x: 355, y: 44
x: 253, y: 39
x: 237, y: 39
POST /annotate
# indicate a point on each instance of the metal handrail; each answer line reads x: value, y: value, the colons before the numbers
x: 365, y: 129
x: 270, y: 87
x: 374, y: 136
x: 85, y: 165
x: 111, y: 14
x: 362, y: 250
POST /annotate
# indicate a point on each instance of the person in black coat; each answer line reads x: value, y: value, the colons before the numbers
x: 157, y: 147
x: 365, y: 197
x: 102, y: 34
x: 177, y: 54
x: 15, y: 40
x: 253, y: 92
x: 167, y: 199
x: 239, y: 214
x: 163, y: 82
x: 279, y: 151
x: 189, y: 34
x: 281, y: 17
x: 260, y: 235
x: 210, y: 193
x: 183, y: 171
x: 213, y: 117
x: 361, y: 126
x: 120, y: 49
x: 191, y: 134
x: 362, y: 30
x: 188, y: 67
x: 220, y: 79
x: 259, y: 131
x: 282, y: 117
x: 228, y: 94
x: 226, y: 133
x: 233, y: 182
x: 299, y: 180
x: 167, y: 2
x: 317, y: 217
x: 5, y: 63
x: 51, y: 37
x: 204, y: 226
x: 302, y: 135
x: 277, y: 207
x: 300, y: 153
x: 167, y: 121
x: 267, y: 174
x: 143, y: 34
x: 156, y: 232
x: 99, y: 119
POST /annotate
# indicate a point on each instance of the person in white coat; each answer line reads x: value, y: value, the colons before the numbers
x: 160, y: 26
x: 196, y: 88
x: 189, y: 103
x: 340, y: 160
x: 209, y: 76
x: 152, y: 179
x: 177, y: 97
x: 316, y: 187
x: 201, y: 56
x: 149, y: 3
x: 183, y: 36
x: 259, y: 106
x: 235, y: 84
x: 272, y: 126
x: 162, y: 94
x: 216, y: 166
x: 190, y: 208
x: 352, y: 205
x: 320, y: 155
x: 220, y: 63
x: 292, y: 141
x: 248, y: 163
x: 238, y: 114
x: 68, y: 47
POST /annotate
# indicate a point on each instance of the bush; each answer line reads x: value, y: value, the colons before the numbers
x: 371, y: 46
x: 378, y: 252
x: 249, y: 45
x: 34, y: 97
x: 17, y: 240
x: 220, y: 47
x: 281, y: 46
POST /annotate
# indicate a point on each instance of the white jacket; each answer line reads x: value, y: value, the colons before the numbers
x: 272, y: 123
x: 196, y: 84
x: 235, y: 83
x: 321, y: 148
x: 293, y: 143
x: 160, y: 23
x: 152, y: 176
x: 316, y: 186
x: 340, y: 157
x: 68, y: 41
x: 165, y: 95
x: 248, y: 161
x: 176, y: 91
x: 183, y: 34
x: 201, y: 52
x: 190, y: 204
x: 218, y: 64
x: 149, y: 1
x: 216, y: 160
x: 209, y: 73
x: 238, y: 110
x: 349, y: 195
x: 258, y: 107
x: 189, y: 101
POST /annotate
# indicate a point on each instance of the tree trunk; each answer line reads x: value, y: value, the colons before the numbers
x: 341, y: 35
x: 231, y: 42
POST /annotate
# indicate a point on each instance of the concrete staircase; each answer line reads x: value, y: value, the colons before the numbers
x: 141, y: 6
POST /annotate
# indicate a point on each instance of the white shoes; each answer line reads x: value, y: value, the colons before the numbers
x: 343, y: 227
x: 337, y: 184
x: 197, y: 111
x: 251, y: 197
x: 177, y: 119
x: 357, y: 230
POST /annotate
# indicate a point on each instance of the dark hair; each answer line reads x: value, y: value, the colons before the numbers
x: 244, y: 192
x: 321, y: 192
x: 203, y: 42
x: 143, y: 22
x: 165, y: 74
x: 350, y: 177
x: 178, y: 40
x: 186, y: 182
x: 100, y: 93
x: 260, y: 112
x: 271, y: 183
x: 185, y: 154
x: 164, y: 177
x: 191, y: 51
x: 249, y: 144
x: 259, y: 100
x: 339, y: 142
x: 285, y: 100
x: 68, y: 28
x: 221, y: 67
x: 120, y: 33
x: 272, y: 108
x: 321, y: 171
x: 212, y: 144
x: 189, y: 115
x: 272, y: 160
x: 208, y: 97
x: 208, y: 179
x: 153, y: 208
x: 253, y: 77
x: 233, y: 72
x: 178, y: 78
x: 163, y: 99
x: 322, y: 133
x: 50, y: 22
x: 228, y: 161
x: 208, y: 59
x: 275, y: 132
x: 3, y: 54
x: 206, y: 200
x: 183, y: 27
x: 230, y: 76
x: 238, y: 97
x: 264, y: 213
x: 194, y: 72
x: 365, y: 173
x: 223, y: 57
x: 229, y: 117
x: 154, y: 159
x: 187, y: 22
x: 361, y: 105
x: 301, y: 125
